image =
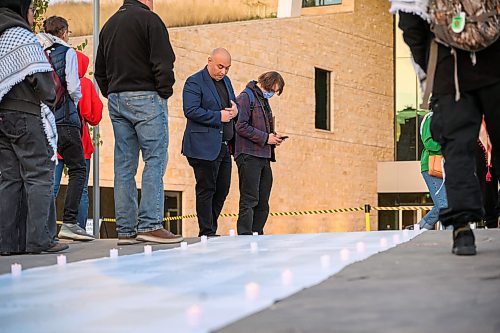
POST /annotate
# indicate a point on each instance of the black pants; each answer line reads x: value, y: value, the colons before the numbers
x: 26, y: 183
x: 489, y: 189
x: 455, y: 125
x: 213, y: 179
x: 69, y: 146
x: 256, y: 180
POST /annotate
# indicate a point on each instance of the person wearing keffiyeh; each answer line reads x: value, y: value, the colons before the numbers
x: 26, y: 134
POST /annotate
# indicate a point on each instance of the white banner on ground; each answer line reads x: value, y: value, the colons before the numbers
x: 197, y: 288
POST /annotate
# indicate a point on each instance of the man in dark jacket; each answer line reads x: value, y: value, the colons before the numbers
x: 209, y: 106
x: 25, y: 151
x: 455, y: 124
x: 134, y: 70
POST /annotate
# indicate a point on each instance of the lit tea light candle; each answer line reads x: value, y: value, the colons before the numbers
x: 344, y: 254
x: 252, y: 291
x: 254, y: 247
x: 61, y: 260
x: 204, y: 239
x: 113, y: 253
x: 194, y: 315
x: 360, y: 247
x: 255, y: 233
x: 184, y: 245
x: 232, y: 233
x: 416, y: 227
x: 396, y: 239
x: 286, y: 277
x: 148, y: 250
x: 383, y: 242
x: 16, y: 269
x: 325, y: 261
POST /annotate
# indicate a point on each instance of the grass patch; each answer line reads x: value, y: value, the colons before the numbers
x: 175, y: 13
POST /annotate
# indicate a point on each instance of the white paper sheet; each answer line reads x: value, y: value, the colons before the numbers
x: 197, y: 289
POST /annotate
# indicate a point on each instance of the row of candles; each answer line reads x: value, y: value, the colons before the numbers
x: 254, y: 248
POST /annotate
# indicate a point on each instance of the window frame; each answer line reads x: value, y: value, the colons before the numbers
x: 322, y: 4
x: 330, y: 99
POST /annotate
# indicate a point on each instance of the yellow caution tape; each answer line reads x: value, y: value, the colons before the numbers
x: 297, y: 213
x: 404, y: 208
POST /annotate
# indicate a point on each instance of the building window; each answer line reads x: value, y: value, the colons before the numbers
x: 322, y: 87
x: 172, y: 207
x: 398, y: 220
x: 316, y: 3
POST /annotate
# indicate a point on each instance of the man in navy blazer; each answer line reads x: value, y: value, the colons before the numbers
x: 210, y: 108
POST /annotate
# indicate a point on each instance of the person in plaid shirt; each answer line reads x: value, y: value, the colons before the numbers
x: 254, y: 150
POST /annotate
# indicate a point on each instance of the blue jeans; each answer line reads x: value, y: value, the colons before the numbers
x: 439, y: 199
x: 83, y: 209
x: 140, y: 123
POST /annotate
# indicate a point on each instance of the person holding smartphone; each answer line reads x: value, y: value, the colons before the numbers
x: 255, y: 142
x: 208, y: 103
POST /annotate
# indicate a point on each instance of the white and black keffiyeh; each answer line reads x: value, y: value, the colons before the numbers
x: 21, y: 55
x: 418, y: 7
x: 50, y: 129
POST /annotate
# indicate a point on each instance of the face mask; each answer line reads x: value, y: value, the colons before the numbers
x: 267, y: 94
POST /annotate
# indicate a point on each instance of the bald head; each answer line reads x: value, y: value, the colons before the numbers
x: 219, y: 62
x: 220, y: 51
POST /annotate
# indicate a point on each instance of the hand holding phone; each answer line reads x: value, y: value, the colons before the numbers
x: 274, y: 139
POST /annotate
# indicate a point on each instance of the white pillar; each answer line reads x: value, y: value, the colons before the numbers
x: 95, y: 184
x: 289, y: 8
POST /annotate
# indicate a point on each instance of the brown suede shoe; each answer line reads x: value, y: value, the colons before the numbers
x: 128, y: 240
x: 161, y: 236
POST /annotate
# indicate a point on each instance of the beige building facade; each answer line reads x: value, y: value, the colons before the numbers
x: 316, y: 168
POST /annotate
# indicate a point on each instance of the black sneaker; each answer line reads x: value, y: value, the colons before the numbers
x: 464, y: 241
x: 56, y: 247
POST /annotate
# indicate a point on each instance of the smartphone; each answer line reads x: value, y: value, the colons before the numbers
x: 284, y: 137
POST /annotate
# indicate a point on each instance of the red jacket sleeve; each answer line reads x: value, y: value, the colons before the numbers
x: 90, y: 105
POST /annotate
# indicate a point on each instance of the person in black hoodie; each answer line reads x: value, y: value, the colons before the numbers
x: 27, y: 136
x: 134, y: 70
x: 455, y: 124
